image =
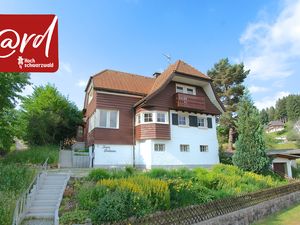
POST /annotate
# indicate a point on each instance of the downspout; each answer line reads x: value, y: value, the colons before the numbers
x: 133, y: 137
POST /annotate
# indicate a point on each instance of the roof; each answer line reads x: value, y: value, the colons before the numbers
x: 122, y: 82
x: 280, y: 155
x: 276, y: 123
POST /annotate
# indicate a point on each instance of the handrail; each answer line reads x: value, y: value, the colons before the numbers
x: 24, y: 201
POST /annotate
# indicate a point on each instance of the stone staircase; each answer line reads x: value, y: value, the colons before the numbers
x: 47, y: 199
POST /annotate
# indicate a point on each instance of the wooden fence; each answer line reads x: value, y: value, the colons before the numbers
x: 198, y: 213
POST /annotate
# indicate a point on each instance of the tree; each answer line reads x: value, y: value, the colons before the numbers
x: 250, y: 154
x: 48, y: 116
x: 293, y: 107
x: 271, y: 113
x: 280, y: 109
x: 227, y: 80
x: 11, y: 86
x: 264, y: 117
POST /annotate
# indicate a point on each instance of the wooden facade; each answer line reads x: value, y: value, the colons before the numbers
x: 153, y: 131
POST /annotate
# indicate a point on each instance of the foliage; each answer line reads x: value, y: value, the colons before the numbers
x: 11, y: 85
x: 169, y: 174
x: 34, y: 155
x: 293, y: 107
x: 225, y: 158
x: 250, y: 152
x: 228, y: 82
x: 264, y: 117
x: 119, y: 205
x: 47, y: 116
x: 74, y: 217
x: 98, y: 174
x: 156, y: 191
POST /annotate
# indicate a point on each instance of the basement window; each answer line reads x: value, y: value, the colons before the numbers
x: 159, y: 147
x: 203, y: 148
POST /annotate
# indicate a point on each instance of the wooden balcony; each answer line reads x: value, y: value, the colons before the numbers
x: 185, y: 101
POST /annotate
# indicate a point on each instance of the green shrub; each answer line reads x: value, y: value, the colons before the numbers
x: 119, y: 205
x: 98, y: 174
x: 7, y: 206
x: 89, y: 195
x: 158, y: 173
x: 154, y: 190
x: 77, y: 216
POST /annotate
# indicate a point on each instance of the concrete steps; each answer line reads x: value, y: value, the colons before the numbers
x: 47, y: 198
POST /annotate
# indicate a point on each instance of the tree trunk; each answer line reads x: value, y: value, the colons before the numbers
x: 230, y: 139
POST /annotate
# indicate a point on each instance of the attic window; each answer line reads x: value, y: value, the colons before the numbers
x: 90, y: 94
x: 180, y: 88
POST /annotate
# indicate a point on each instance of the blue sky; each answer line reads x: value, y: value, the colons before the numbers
x: 132, y: 35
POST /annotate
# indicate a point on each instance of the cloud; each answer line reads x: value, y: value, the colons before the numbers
x: 81, y: 83
x: 65, y: 67
x: 256, y: 89
x: 269, y: 101
x: 272, y: 48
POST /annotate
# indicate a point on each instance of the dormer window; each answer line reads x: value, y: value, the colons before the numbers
x: 180, y: 88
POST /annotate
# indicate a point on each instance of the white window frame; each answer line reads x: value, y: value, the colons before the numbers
x: 205, y: 121
x: 184, y: 88
x: 92, y: 122
x: 154, y: 117
x: 184, y: 148
x: 159, y: 147
x: 204, y: 148
x: 186, y: 120
x: 107, y: 125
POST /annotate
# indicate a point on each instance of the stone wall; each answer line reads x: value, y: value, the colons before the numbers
x: 251, y: 214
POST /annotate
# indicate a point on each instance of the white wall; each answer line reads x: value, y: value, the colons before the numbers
x: 113, y: 155
x: 143, y: 153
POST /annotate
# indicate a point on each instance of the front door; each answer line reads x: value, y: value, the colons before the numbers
x: 280, y: 168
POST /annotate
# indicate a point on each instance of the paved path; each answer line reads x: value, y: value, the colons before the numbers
x: 47, y: 199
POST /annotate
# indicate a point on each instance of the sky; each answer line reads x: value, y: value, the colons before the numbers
x: 133, y: 36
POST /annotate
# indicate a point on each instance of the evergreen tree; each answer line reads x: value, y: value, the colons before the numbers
x: 293, y: 107
x: 228, y: 81
x: 250, y: 154
x: 271, y: 113
x: 280, y: 110
x: 264, y: 117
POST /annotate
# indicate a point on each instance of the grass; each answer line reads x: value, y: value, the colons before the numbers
x: 35, y: 155
x: 290, y: 216
x: 17, y: 170
x: 275, y: 144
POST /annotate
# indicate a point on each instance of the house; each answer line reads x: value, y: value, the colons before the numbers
x: 167, y: 120
x: 275, y: 126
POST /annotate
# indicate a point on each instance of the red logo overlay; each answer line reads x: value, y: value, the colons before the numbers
x: 28, y: 43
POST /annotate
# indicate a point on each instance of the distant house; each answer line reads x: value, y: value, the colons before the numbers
x: 167, y: 120
x: 275, y: 126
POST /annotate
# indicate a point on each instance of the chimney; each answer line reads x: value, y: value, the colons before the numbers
x: 156, y: 74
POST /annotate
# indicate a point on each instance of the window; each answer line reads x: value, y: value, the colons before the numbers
x: 148, y: 117
x: 161, y: 117
x: 185, y: 89
x: 138, y: 119
x: 92, y: 122
x: 90, y: 94
x: 203, y: 148
x: 182, y: 120
x: 159, y: 147
x: 184, y: 148
x: 201, y: 122
x: 109, y: 118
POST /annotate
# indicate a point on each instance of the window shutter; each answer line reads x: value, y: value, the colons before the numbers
x: 174, y: 119
x: 193, y: 121
x: 209, y: 122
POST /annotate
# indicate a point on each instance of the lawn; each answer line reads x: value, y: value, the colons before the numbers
x: 17, y: 170
x: 113, y: 195
x: 290, y: 216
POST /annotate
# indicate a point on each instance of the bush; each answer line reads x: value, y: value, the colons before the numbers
x: 77, y: 216
x: 161, y: 173
x: 98, y: 174
x: 120, y: 205
x: 89, y: 195
x: 156, y: 191
x: 158, y: 173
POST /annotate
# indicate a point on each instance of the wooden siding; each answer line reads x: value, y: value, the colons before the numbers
x: 153, y: 131
x: 123, y: 135
x: 166, y: 100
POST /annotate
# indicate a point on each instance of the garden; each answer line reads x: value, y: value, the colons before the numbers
x: 17, y: 171
x: 114, y: 195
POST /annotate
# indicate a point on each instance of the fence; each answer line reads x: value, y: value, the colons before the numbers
x: 73, y: 158
x: 198, y: 213
x: 25, y: 200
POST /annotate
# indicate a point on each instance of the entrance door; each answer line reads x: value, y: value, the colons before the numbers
x: 280, y: 168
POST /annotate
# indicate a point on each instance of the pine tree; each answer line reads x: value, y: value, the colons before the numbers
x: 250, y: 154
x: 264, y: 117
x: 228, y: 81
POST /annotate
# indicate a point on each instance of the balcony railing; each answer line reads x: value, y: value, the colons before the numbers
x: 186, y: 101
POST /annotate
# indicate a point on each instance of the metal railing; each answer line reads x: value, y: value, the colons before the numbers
x: 25, y: 200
